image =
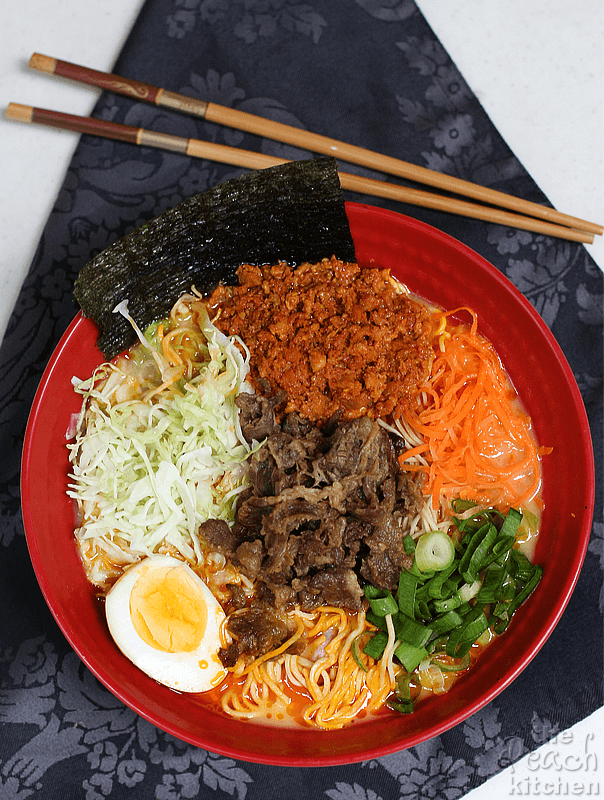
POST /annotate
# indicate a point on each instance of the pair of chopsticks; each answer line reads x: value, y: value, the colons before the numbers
x: 499, y: 208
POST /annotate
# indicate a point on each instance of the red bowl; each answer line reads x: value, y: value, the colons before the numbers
x: 446, y: 272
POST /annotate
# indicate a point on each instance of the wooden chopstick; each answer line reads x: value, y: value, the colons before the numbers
x: 252, y: 160
x: 304, y: 139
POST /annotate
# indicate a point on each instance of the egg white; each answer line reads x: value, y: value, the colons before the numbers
x: 195, y: 671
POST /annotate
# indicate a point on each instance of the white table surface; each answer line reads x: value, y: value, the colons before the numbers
x: 537, y: 67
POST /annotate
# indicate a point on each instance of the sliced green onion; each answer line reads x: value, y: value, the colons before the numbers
x: 445, y: 667
x: 452, y: 585
x: 403, y: 702
x: 438, y: 644
x: 479, y: 554
x: 407, y: 586
x: 371, y: 592
x: 503, y: 544
x: 448, y: 604
x: 410, y: 656
x: 462, y: 638
x: 406, y: 707
x: 500, y: 610
x: 464, y: 609
x: 384, y: 605
x: 471, y: 543
x: 501, y: 624
x: 422, y: 592
x: 476, y: 521
x: 469, y: 523
x: 463, y: 595
x: 521, y: 567
x: 459, y: 505
x: 409, y: 545
x: 423, y: 576
x: 422, y: 610
x: 510, y: 523
x: 476, y: 625
x: 356, y: 651
x: 530, y: 521
x: 410, y: 631
x: 436, y: 586
x: 374, y: 619
x: 403, y: 687
x: 434, y: 551
x: 445, y: 623
x: 381, y: 601
x: 527, y: 589
x: 485, y: 637
x: 508, y: 589
x: 490, y: 591
x: 376, y: 645
x: 469, y: 590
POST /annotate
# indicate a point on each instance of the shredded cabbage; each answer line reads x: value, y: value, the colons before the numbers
x: 147, y: 474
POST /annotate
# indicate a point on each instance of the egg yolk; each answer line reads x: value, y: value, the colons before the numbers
x: 168, y: 610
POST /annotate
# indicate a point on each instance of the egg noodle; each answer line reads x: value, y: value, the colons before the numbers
x: 338, y: 684
x: 159, y: 449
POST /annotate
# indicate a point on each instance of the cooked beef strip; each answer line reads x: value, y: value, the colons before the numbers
x: 248, y: 556
x: 256, y: 631
x: 359, y: 447
x: 219, y: 535
x: 334, y: 587
x: 239, y: 598
x: 258, y: 418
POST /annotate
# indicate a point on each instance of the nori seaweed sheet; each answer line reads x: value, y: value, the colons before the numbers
x: 293, y: 212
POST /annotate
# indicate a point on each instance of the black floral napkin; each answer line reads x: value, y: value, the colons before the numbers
x: 369, y: 72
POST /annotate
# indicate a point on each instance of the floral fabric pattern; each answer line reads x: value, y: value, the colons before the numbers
x: 369, y: 72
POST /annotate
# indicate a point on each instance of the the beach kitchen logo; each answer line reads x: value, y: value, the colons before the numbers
x: 564, y: 767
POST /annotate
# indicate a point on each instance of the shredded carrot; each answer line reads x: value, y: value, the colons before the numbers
x: 165, y: 385
x: 168, y: 349
x: 416, y: 451
x: 478, y: 441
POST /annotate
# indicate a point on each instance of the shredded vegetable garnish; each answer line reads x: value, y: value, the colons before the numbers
x: 478, y: 442
x: 153, y: 460
x: 440, y: 613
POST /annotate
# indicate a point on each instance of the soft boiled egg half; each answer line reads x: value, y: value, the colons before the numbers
x: 164, y: 618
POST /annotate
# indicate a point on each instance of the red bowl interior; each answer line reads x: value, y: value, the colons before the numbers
x: 448, y: 273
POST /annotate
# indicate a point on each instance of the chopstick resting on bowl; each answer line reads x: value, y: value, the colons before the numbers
x: 252, y: 160
x: 298, y: 137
